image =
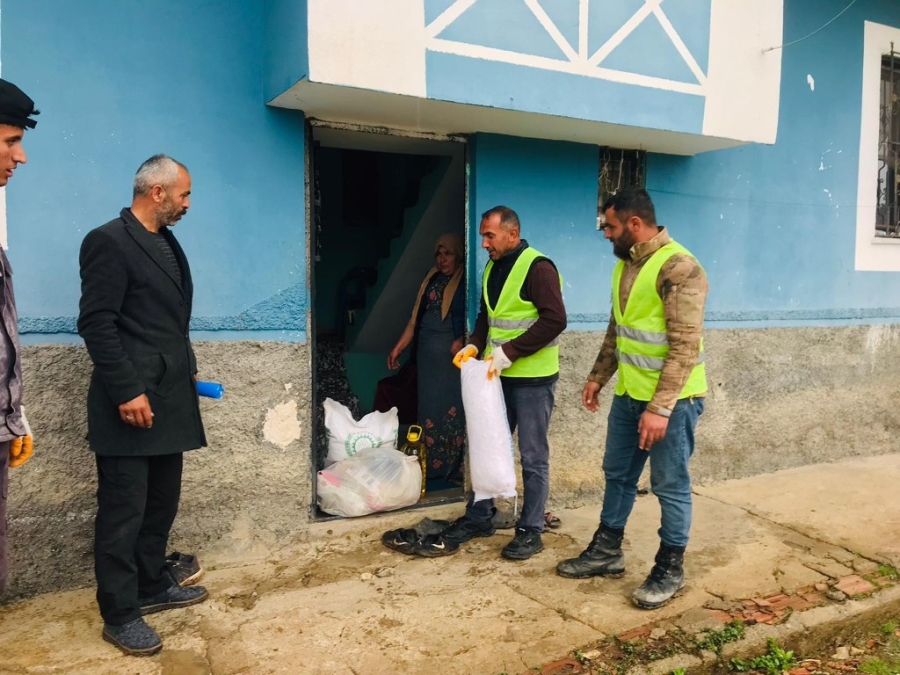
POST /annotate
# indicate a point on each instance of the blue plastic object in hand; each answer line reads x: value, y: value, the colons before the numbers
x: 210, y: 389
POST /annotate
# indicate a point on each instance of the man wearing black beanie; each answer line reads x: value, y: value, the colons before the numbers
x: 16, y: 113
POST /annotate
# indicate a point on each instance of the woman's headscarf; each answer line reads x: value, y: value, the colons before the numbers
x: 453, y: 243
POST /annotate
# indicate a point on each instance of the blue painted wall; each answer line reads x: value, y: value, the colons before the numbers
x: 775, y: 226
x: 553, y: 188
x: 118, y: 82
x: 286, y: 45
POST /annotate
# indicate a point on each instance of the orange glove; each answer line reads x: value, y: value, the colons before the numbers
x: 22, y: 448
x: 464, y: 354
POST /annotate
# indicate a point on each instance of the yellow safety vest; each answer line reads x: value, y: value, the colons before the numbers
x: 513, y: 316
x: 642, y: 343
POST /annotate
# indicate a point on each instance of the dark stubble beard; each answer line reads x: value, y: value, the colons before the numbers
x: 622, y: 246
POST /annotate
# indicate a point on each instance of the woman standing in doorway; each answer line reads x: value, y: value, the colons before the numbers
x: 436, y: 331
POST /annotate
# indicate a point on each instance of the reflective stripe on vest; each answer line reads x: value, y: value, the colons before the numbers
x: 642, y: 343
x: 512, y: 316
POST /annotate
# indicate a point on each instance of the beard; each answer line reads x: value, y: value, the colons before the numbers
x: 169, y: 213
x: 622, y: 246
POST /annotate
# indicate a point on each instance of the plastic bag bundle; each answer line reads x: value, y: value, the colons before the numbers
x: 491, y: 455
x: 375, y: 479
x: 346, y: 436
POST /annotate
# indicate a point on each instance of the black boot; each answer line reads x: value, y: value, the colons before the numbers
x: 602, y: 558
x: 665, y: 581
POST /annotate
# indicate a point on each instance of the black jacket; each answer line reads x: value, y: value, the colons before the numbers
x: 134, y: 319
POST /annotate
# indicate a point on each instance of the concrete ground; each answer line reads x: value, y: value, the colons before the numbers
x: 343, y: 604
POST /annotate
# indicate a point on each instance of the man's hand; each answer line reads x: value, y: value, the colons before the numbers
x: 22, y: 448
x: 652, y: 428
x: 137, y: 412
x: 498, y: 362
x: 456, y: 346
x: 590, y: 396
x: 464, y: 354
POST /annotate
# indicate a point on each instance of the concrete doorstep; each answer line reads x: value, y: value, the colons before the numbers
x: 785, y: 554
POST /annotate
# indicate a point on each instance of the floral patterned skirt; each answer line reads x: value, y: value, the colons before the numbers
x: 440, y: 400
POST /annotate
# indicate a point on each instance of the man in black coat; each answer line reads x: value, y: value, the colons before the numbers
x: 143, y: 412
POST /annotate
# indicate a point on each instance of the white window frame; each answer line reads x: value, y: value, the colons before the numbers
x: 873, y: 254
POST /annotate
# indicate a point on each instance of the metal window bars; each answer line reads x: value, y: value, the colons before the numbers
x: 887, y: 210
x: 619, y: 169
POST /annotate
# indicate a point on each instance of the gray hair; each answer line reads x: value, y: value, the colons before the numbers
x: 158, y: 170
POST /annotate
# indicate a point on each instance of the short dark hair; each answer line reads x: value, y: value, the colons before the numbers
x: 632, y: 202
x: 508, y: 218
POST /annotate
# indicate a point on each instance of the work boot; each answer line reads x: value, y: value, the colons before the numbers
x: 602, y: 558
x: 665, y: 581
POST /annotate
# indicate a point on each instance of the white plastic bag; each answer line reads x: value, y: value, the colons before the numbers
x: 346, y: 436
x: 375, y: 479
x: 491, y: 454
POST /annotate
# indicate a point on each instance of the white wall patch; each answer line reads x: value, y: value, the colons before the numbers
x: 282, y: 426
x: 811, y: 82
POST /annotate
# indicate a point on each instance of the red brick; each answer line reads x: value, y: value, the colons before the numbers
x: 821, y: 587
x: 854, y: 585
x: 798, y: 671
x: 779, y: 603
x: 719, y: 615
x: 799, y: 604
x: 814, y: 598
x: 634, y: 634
x: 762, y: 603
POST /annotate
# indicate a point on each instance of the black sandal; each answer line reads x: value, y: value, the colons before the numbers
x: 404, y: 540
x: 552, y: 521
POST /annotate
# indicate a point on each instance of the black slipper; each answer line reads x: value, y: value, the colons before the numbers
x: 436, y: 546
x: 403, y: 540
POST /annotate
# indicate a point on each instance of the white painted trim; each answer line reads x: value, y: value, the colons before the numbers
x: 583, y: 19
x: 574, y: 68
x: 627, y: 29
x: 679, y: 45
x: 872, y: 255
x: 552, y: 30
x: 448, y: 16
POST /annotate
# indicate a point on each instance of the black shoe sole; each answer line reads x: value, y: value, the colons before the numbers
x: 657, y: 605
x: 588, y: 575
x: 149, y: 651
x: 512, y: 556
x: 435, y: 552
x: 163, y: 606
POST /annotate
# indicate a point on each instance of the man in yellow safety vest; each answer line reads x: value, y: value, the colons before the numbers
x: 522, y: 314
x: 654, y: 342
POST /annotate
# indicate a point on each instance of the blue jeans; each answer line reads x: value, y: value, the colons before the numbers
x: 670, y: 479
x: 528, y: 407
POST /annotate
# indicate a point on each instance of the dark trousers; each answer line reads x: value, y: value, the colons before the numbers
x: 528, y: 408
x: 137, y: 499
x: 4, y: 488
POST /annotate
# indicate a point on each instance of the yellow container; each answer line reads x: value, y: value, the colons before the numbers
x: 415, y: 446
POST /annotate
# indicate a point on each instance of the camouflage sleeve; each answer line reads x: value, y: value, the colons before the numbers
x: 682, y: 285
x: 606, y: 364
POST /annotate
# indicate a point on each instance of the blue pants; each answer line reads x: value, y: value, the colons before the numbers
x: 670, y: 479
x: 528, y: 408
